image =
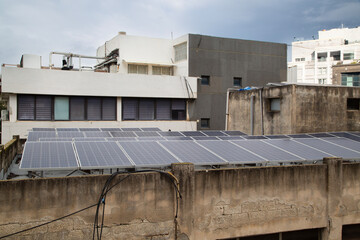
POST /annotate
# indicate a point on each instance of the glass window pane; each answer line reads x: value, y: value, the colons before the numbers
x: 163, y: 109
x: 275, y: 104
x: 61, y: 108
x: 142, y: 69
x: 146, y: 109
x: 132, y: 68
x: 43, y: 108
x: 77, y: 108
x: 109, y: 109
x: 26, y: 107
x: 94, y: 108
x: 166, y: 70
x: 156, y: 70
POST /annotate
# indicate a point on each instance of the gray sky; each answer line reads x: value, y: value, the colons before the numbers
x: 79, y: 26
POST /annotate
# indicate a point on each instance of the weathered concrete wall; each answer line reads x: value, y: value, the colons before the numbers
x: 257, y: 63
x: 303, y: 109
x: 215, y: 204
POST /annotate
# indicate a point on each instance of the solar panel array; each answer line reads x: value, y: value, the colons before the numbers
x: 101, y: 148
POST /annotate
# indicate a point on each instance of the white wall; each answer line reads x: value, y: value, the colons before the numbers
x: 58, y: 82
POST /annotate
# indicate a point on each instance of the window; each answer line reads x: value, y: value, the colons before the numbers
x: 153, y: 109
x: 350, y: 79
x: 353, y: 104
x: 299, y: 59
x: 205, y: 80
x: 156, y: 70
x: 322, y: 70
x: 205, y: 123
x: 180, y: 51
x: 321, y: 57
x: 274, y: 105
x: 137, y: 69
x: 237, y: 81
x: 64, y: 108
x: 322, y: 80
x: 335, y: 55
x: 348, y: 56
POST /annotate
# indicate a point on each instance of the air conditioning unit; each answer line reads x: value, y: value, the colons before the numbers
x: 4, y: 115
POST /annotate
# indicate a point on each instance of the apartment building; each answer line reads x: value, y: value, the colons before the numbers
x: 218, y: 63
x: 313, y: 60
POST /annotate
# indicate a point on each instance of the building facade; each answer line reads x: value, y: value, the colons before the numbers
x: 314, y: 59
x: 218, y: 63
x: 40, y: 97
x: 292, y: 109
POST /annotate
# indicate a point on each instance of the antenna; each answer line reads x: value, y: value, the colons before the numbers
x: 172, y: 36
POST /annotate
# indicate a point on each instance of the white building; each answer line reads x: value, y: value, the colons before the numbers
x: 159, y: 95
x: 313, y: 59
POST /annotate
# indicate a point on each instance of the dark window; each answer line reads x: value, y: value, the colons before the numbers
x: 353, y: 104
x: 77, y: 108
x: 350, y: 232
x: 237, y: 81
x: 153, y: 109
x: 163, y: 109
x: 205, y: 123
x: 94, y: 108
x: 205, y: 80
x: 26, y: 107
x: 48, y: 108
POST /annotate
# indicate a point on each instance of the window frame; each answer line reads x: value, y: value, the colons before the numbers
x: 269, y: 105
x: 240, y: 80
x: 351, y: 102
x: 205, y: 83
x: 207, y: 120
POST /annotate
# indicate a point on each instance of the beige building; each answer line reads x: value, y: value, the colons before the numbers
x: 346, y: 74
x: 290, y: 109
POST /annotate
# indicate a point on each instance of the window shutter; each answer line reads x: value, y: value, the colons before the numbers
x: 109, y: 109
x: 77, y: 108
x: 146, y: 109
x: 26, y: 107
x: 129, y: 108
x: 163, y: 109
x: 43, y: 108
x: 94, y: 108
x: 178, y: 104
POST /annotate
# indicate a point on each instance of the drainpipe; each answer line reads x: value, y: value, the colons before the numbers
x: 252, y: 114
x: 262, y: 112
x: 227, y: 106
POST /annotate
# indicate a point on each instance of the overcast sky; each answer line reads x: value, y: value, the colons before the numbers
x: 41, y: 26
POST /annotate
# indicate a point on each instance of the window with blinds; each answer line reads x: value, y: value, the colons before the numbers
x: 158, y: 70
x: 137, y: 69
x: 64, y: 108
x: 153, y: 109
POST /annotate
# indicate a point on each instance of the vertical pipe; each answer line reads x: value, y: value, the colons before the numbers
x: 252, y: 114
x: 227, y: 110
x: 262, y: 112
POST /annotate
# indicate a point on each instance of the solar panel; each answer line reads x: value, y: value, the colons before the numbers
x: 97, y: 134
x: 204, y: 138
x: 148, y: 154
x: 34, y: 136
x: 346, y: 143
x: 43, y: 129
x: 123, y: 134
x: 110, y: 129
x: 147, y: 134
x: 97, y: 155
x: 267, y: 151
x: 131, y: 129
x: 214, y: 133
x: 91, y: 139
x: 193, y: 133
x: 231, y: 138
x: 255, y: 137
x: 330, y: 148
x: 151, y: 129
x: 276, y: 136
x: 234, y: 133
x: 347, y: 135
x: 300, y: 136
x: 48, y: 156
x: 90, y: 129
x: 321, y: 135
x: 189, y: 151
x: 55, y: 139
x: 67, y: 129
x: 171, y: 134
x: 114, y: 139
x: 178, y: 138
x: 67, y: 134
x: 232, y: 152
x: 299, y: 149
x: 151, y: 138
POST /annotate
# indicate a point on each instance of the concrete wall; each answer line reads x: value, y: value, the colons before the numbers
x: 343, y: 68
x: 257, y: 63
x: 303, y: 109
x: 215, y: 204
